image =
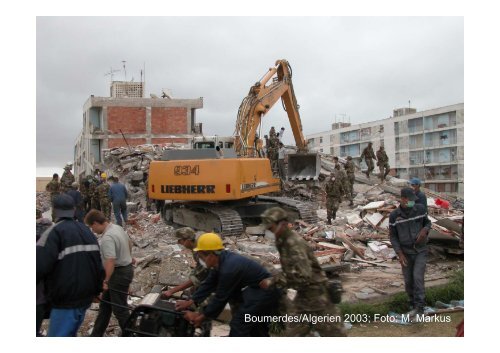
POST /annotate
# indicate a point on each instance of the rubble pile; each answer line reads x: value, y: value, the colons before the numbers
x: 43, y: 201
x: 131, y: 165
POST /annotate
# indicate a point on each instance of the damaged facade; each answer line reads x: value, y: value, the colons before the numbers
x: 129, y: 121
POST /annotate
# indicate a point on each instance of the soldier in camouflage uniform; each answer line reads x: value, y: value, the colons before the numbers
x: 67, y: 179
x: 368, y: 155
x: 349, y: 168
x: 302, y: 272
x: 383, y: 163
x: 85, y: 191
x: 102, y: 192
x: 342, y: 176
x: 54, y: 187
x: 187, y: 238
x: 334, y: 191
x: 273, y: 152
x: 94, y: 197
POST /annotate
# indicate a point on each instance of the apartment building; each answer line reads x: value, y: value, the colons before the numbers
x: 427, y: 144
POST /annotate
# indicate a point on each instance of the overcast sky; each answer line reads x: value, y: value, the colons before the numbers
x: 360, y: 67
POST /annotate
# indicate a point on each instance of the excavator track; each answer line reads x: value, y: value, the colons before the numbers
x: 230, y: 220
x: 230, y: 223
x: 305, y: 209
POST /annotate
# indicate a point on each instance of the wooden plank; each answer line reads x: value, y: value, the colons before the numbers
x: 352, y: 246
x: 371, y: 262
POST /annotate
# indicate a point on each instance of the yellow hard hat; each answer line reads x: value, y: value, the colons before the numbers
x: 103, y: 175
x: 208, y: 242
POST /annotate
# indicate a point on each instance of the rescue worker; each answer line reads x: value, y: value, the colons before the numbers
x: 67, y: 178
x: 421, y: 198
x: 273, y: 152
x: 68, y: 261
x: 383, y: 163
x: 77, y: 198
x: 187, y: 238
x: 94, y: 196
x: 102, y: 194
x: 349, y: 168
x: 408, y: 230
x: 54, y: 188
x: 281, y: 161
x: 85, y: 191
x: 341, y: 175
x: 334, y: 190
x: 368, y: 155
x: 302, y: 272
x: 236, y: 278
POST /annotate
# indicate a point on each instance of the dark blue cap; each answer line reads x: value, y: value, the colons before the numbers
x: 408, y: 193
x: 415, y: 181
x: 64, y: 206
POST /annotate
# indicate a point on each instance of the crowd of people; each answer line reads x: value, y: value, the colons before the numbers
x: 81, y: 256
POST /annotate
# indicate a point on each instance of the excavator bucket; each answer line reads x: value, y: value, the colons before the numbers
x: 303, y: 166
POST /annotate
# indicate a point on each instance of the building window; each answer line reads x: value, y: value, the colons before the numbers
x: 331, y: 151
x: 415, y: 125
x: 416, y: 157
x: 321, y: 139
x: 366, y: 133
x: 331, y: 138
x: 349, y: 136
x: 350, y: 150
x: 396, y: 128
x: 416, y: 141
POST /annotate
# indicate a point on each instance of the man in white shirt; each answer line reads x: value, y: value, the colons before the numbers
x: 116, y: 253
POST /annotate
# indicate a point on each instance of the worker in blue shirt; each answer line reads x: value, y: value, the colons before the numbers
x: 421, y: 198
x: 118, y: 196
x: 233, y: 278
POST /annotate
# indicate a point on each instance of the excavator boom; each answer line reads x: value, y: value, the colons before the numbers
x: 257, y: 103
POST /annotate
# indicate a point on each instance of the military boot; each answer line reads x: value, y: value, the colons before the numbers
x: 329, y: 221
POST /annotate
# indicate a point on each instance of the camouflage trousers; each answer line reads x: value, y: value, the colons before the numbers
x: 314, y: 315
x: 332, y: 205
x: 105, y: 206
x: 95, y: 204
x: 369, y: 163
x: 350, y: 178
x: 53, y: 213
x: 384, y: 170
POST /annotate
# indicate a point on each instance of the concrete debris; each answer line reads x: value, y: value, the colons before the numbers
x: 354, y: 219
x: 373, y: 205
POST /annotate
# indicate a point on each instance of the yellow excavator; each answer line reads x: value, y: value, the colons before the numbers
x: 219, y: 189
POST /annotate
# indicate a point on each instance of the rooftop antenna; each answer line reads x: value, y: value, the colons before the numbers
x: 110, y: 73
x: 124, y: 69
x: 144, y: 83
x: 409, y: 106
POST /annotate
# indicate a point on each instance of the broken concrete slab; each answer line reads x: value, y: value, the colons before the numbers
x: 257, y: 230
x: 373, y: 205
x: 354, y: 219
x: 376, y: 246
x: 253, y: 247
x: 374, y: 219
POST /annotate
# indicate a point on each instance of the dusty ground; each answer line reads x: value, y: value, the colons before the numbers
x: 433, y: 329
